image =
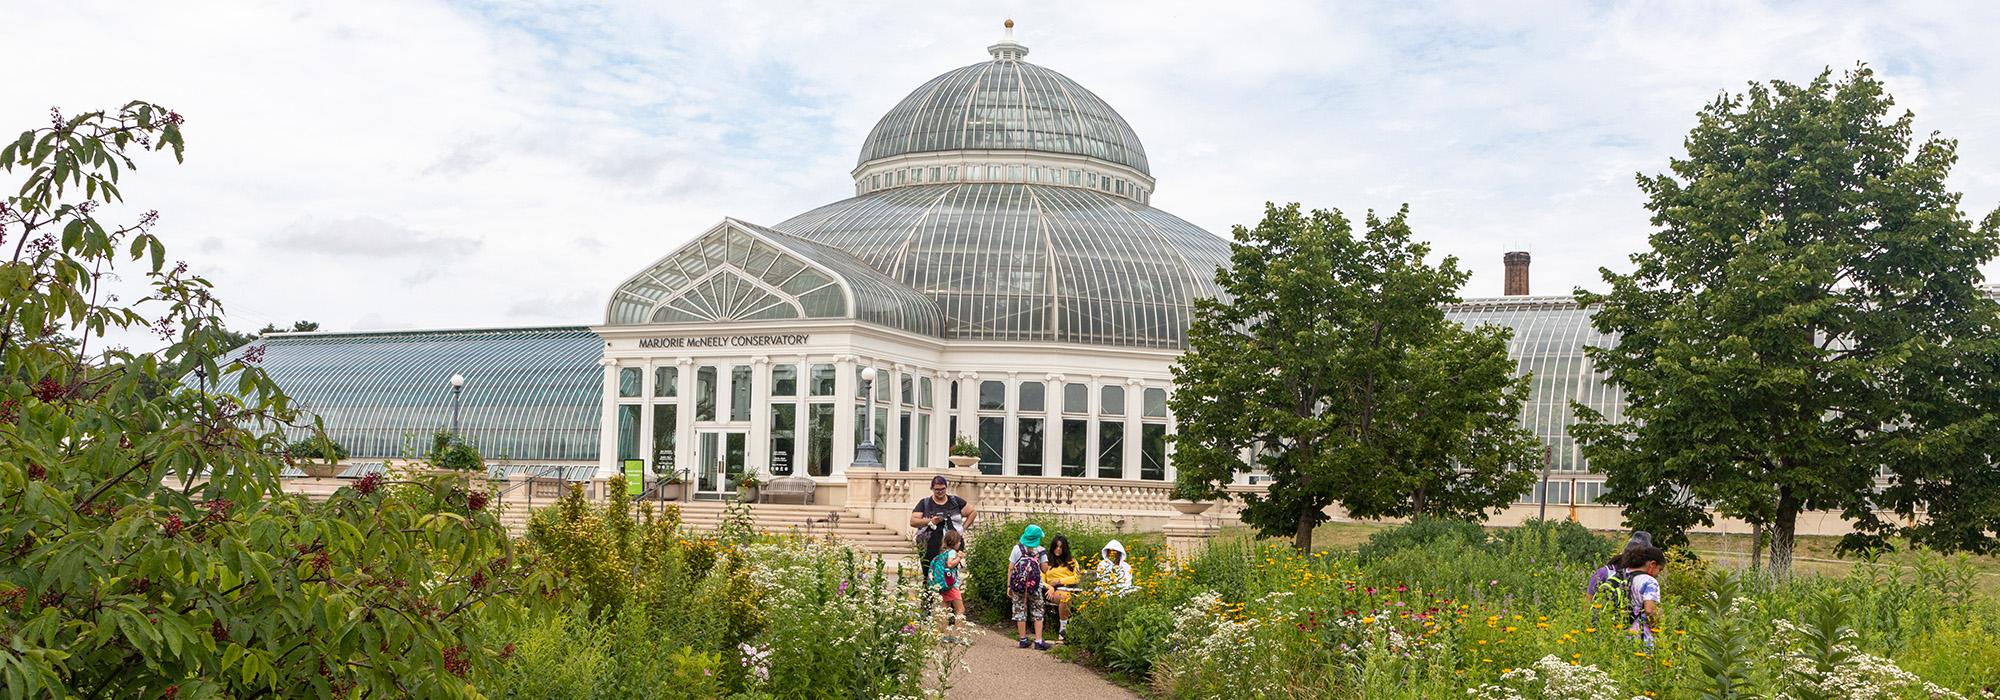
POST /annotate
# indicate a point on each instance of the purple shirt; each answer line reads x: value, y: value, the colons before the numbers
x: 1597, y: 579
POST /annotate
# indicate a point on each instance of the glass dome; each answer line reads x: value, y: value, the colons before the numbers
x: 1005, y: 104
x: 1025, y: 262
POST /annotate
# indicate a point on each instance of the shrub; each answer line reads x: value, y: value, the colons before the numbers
x: 986, y: 556
x: 449, y: 451
x: 1420, y: 531
x: 316, y: 447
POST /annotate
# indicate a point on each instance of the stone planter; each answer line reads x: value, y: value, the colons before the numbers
x: 962, y: 462
x: 321, y: 470
x: 1187, y: 507
x: 747, y: 494
x: 672, y: 492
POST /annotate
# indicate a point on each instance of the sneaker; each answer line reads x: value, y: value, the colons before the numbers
x: 1043, y: 646
x: 1025, y: 643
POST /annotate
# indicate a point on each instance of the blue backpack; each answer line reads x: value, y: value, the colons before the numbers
x: 942, y: 577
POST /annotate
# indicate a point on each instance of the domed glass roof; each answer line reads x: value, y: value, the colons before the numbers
x: 1026, y: 262
x: 1005, y: 104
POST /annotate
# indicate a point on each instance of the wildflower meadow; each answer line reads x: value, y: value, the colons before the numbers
x: 1439, y: 609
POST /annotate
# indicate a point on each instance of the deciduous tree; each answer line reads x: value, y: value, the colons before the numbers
x: 1330, y: 366
x: 1806, y: 318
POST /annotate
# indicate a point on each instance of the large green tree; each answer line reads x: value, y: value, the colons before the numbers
x: 1807, y: 316
x: 145, y: 548
x: 1330, y: 366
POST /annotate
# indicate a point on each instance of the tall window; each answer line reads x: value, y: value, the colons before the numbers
x: 784, y: 426
x: 1028, y: 429
x: 704, y: 393
x: 820, y: 431
x: 628, y: 381
x: 1075, y: 446
x: 1110, y: 449
x: 1153, y: 451
x: 992, y: 433
x: 628, y: 431
x: 1153, y: 435
x: 923, y: 434
x: 666, y: 434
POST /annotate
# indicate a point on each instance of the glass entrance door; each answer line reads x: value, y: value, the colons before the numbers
x: 722, y: 461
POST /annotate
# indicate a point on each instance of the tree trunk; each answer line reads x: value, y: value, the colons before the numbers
x: 1418, y: 502
x: 1756, y: 547
x: 1782, y: 529
x: 1302, y: 538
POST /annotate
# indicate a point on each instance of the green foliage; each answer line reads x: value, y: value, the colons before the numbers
x: 1333, y: 361
x: 1721, y: 647
x: 147, y: 549
x: 1419, y: 532
x: 450, y: 451
x: 963, y: 446
x: 1806, y: 314
x: 316, y: 447
x: 575, y: 656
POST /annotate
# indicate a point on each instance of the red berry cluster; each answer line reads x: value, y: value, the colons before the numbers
x: 219, y: 631
x: 173, y: 691
x: 322, y: 563
x: 10, y: 411
x: 455, y: 662
x: 368, y: 484
x: 477, y: 581
x: 48, y: 390
x: 12, y: 598
x: 507, y: 652
x: 173, y: 526
x: 37, y: 473
x: 475, y: 500
x: 218, y: 510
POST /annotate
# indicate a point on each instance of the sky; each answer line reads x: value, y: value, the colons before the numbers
x: 416, y: 164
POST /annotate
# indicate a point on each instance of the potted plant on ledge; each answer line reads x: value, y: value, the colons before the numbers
x: 746, y: 486
x: 964, y: 452
x: 317, y: 455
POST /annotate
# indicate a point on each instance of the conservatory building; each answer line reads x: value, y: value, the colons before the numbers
x: 999, y: 278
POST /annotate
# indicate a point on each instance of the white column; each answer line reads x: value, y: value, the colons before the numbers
x: 844, y: 387
x: 1052, y: 400
x: 646, y: 402
x: 1135, y: 406
x: 607, y: 436
x: 686, y: 452
x: 892, y: 459
x: 1093, y: 406
x: 1010, y: 429
x: 968, y: 405
x: 759, y: 458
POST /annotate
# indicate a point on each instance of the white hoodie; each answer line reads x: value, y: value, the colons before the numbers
x: 1116, y: 577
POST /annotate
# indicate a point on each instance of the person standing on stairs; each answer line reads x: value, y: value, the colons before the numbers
x: 937, y: 513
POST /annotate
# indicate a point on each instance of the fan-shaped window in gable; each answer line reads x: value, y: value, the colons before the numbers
x: 728, y: 276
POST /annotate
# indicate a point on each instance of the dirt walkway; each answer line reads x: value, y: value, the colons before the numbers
x: 996, y: 669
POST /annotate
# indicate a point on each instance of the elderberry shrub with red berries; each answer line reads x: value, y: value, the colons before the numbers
x: 161, y: 470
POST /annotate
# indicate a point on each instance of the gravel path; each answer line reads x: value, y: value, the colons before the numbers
x: 996, y: 669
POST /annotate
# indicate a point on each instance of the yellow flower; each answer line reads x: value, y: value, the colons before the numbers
x: 1590, y: 629
x: 1577, y: 655
x: 1511, y: 628
x: 1482, y: 642
x: 1369, y: 620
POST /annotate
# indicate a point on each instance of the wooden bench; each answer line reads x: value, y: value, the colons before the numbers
x: 798, y: 487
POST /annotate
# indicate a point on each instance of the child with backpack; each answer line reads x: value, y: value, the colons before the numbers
x: 947, y: 579
x: 1643, y: 591
x: 1024, y: 585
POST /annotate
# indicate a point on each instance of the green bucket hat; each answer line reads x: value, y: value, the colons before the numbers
x: 1032, y: 537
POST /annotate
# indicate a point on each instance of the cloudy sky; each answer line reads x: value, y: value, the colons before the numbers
x: 416, y: 164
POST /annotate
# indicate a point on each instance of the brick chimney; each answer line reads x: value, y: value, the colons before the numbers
x: 1517, y: 274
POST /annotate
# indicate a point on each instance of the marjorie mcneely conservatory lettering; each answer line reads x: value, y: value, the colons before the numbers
x: 718, y: 341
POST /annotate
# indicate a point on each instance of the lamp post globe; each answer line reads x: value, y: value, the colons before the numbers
x: 867, y: 454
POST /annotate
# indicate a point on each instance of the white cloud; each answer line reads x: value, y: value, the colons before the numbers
x: 549, y: 148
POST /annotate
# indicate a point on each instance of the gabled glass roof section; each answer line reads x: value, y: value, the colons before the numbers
x: 1005, y: 104
x: 1550, y: 334
x: 531, y: 394
x: 1029, y: 262
x: 743, y: 272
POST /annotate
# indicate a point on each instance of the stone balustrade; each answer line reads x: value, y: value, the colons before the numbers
x: 886, y: 497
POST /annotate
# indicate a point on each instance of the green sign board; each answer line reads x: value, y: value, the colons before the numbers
x: 635, y: 476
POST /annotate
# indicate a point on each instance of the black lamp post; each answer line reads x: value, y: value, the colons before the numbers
x: 457, y: 385
x: 867, y: 454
